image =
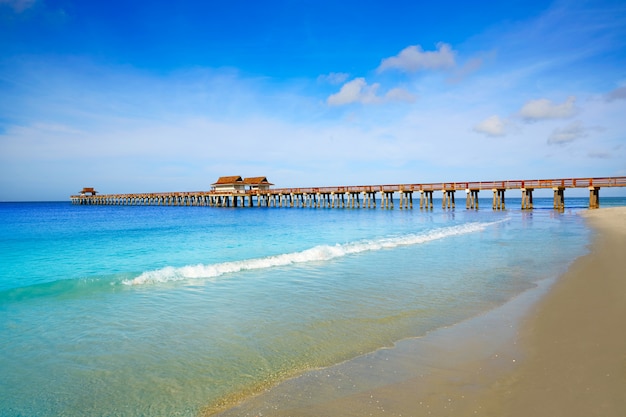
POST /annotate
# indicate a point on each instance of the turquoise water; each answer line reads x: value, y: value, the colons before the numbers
x: 163, y: 311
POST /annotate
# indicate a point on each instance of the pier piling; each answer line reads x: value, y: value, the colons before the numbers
x: 527, y: 198
x: 471, y: 199
x: 426, y: 199
x: 498, y: 199
x: 447, y: 199
x: 594, y: 197
x: 559, y: 198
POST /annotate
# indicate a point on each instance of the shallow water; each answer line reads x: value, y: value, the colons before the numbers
x: 114, y: 310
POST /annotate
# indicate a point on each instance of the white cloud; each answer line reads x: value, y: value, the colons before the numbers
x: 399, y: 94
x: 543, y: 109
x: 617, y: 94
x: 333, y: 78
x: 355, y: 91
x: 569, y: 133
x: 413, y: 58
x: 492, y: 126
x: 358, y: 91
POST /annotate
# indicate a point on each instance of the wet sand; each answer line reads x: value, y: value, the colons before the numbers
x: 556, y: 350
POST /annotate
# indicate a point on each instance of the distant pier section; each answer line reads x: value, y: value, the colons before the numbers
x: 235, y: 191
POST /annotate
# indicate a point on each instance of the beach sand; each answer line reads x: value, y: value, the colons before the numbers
x: 556, y: 350
x: 576, y: 338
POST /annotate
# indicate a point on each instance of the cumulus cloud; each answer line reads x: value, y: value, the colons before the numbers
x: 493, y: 126
x: 333, y: 78
x: 358, y: 91
x: 19, y: 5
x: 355, y: 91
x: 568, y: 134
x: 617, y: 94
x: 413, y: 58
x: 543, y: 109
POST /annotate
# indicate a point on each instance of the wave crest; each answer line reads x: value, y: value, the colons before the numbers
x: 314, y: 254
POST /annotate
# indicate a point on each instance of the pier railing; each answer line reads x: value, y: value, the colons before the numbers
x: 475, y: 185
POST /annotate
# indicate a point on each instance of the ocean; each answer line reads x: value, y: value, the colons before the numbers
x: 165, y: 311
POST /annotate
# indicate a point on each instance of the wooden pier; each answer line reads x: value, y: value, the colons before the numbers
x: 364, y: 196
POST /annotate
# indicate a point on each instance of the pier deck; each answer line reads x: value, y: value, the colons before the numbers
x: 362, y: 196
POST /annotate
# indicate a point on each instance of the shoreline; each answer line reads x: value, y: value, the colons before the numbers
x: 542, y: 353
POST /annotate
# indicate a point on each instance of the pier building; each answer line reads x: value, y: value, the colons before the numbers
x: 88, y: 190
x: 233, y: 184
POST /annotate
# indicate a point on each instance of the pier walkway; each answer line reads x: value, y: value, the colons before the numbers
x: 364, y: 196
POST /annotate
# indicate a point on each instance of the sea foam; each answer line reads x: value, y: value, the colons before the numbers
x: 315, y: 254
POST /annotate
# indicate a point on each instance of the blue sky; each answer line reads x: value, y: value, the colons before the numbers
x: 167, y: 96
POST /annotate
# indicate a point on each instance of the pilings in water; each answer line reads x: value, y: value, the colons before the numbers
x: 326, y: 200
x: 527, y: 198
x: 559, y: 198
x: 386, y: 200
x: 447, y: 199
x: 426, y: 199
x: 498, y: 198
x: 369, y: 199
x: 594, y: 197
x: 406, y: 199
x: 471, y: 199
x: 332, y: 199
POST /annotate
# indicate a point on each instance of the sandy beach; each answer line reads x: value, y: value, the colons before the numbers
x: 576, y: 337
x: 557, y: 350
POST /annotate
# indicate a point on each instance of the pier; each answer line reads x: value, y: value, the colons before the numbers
x: 250, y: 192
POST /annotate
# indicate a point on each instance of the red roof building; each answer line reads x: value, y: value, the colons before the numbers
x: 257, y: 183
x: 236, y: 184
x: 229, y: 184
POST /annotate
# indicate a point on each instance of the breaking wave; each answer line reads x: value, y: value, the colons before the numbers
x: 314, y: 254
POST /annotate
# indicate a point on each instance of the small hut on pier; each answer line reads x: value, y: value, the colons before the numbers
x: 230, y: 184
x: 257, y: 184
x: 88, y: 190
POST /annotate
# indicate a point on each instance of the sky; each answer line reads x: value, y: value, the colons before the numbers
x: 155, y: 96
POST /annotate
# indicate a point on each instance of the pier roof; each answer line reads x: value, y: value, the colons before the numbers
x: 234, y: 179
x: 90, y: 190
x: 256, y: 181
